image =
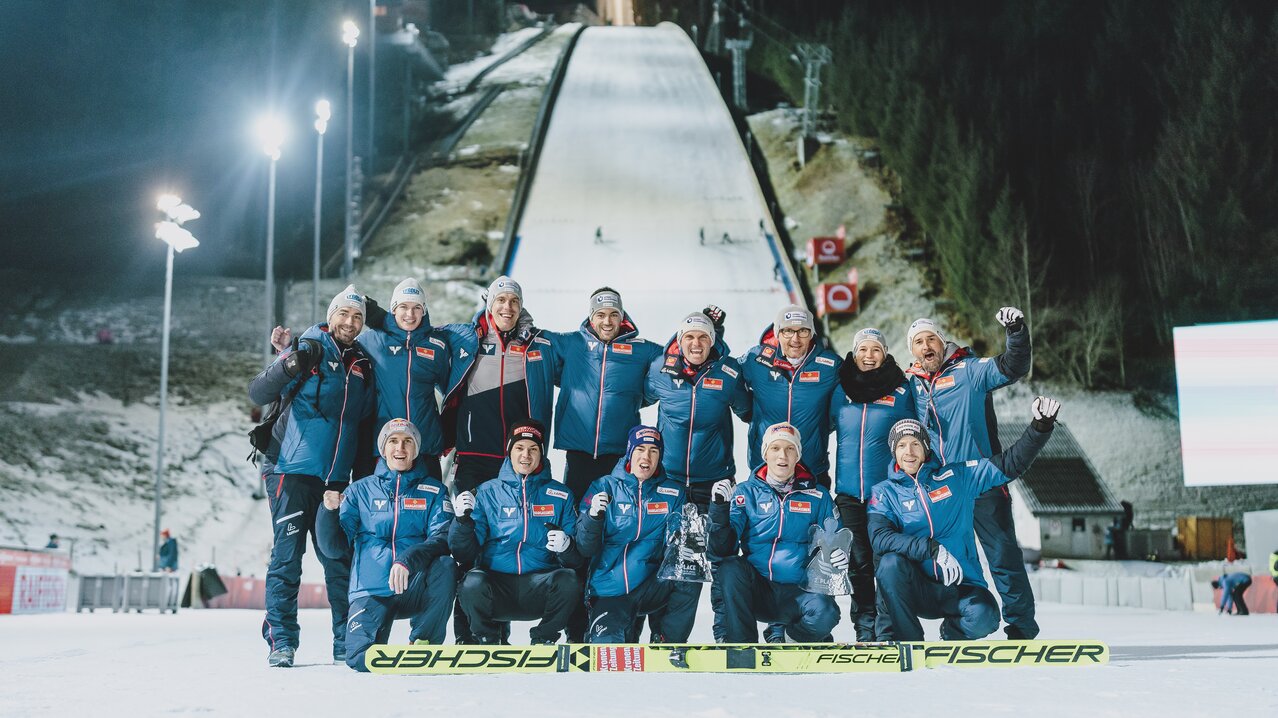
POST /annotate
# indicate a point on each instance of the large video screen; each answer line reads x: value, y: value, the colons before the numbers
x: 1227, y: 380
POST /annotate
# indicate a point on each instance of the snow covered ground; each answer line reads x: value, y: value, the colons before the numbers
x: 1163, y: 664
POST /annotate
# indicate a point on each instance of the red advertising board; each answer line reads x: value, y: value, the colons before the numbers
x: 33, y: 581
x: 825, y: 250
x: 837, y: 298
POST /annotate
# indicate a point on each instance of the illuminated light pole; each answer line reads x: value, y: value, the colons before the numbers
x: 350, y: 36
x: 270, y: 134
x: 170, y: 231
x: 323, y: 111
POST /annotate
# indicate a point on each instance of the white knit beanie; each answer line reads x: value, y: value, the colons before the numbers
x: 407, y: 291
x: 348, y: 297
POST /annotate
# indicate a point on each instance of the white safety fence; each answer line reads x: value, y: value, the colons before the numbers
x: 1176, y: 593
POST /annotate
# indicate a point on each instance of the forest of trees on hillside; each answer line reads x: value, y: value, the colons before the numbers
x: 1109, y: 166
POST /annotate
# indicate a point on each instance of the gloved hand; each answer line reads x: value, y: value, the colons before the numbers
x: 716, y: 316
x: 332, y: 500
x: 398, y: 578
x: 556, y: 541
x: 464, y: 504
x: 721, y: 490
x: 599, y: 504
x: 1011, y: 318
x: 1045, y: 411
x: 839, y: 559
x: 374, y: 315
x: 947, y: 564
x: 304, y: 358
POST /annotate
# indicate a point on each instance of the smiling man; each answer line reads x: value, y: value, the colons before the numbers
x: 396, y: 522
x: 325, y: 384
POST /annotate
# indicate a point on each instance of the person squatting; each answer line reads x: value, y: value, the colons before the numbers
x: 354, y: 461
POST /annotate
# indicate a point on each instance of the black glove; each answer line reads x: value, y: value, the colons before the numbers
x: 303, y: 358
x: 716, y: 316
x: 374, y: 315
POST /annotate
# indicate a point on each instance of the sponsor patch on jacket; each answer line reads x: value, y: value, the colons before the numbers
x: 809, y: 492
x: 801, y: 507
x: 982, y: 360
x: 944, y: 382
x: 508, y: 510
x: 622, y: 349
x: 667, y: 491
x: 541, y: 340
x: 425, y: 353
x: 740, y: 499
x: 729, y: 371
x: 938, y: 494
x: 357, y: 371
x: 824, y: 360
x: 658, y: 507
x: 809, y: 376
x: 888, y: 400
x: 543, y: 510
x: 908, y: 504
x: 973, y: 463
x: 438, y: 342
x: 448, y: 506
x: 415, y: 504
x: 534, y: 355
x: 671, y: 360
x: 428, y: 487
x: 716, y: 384
x: 768, y: 351
x: 557, y: 493
x: 516, y: 348
x: 944, y: 476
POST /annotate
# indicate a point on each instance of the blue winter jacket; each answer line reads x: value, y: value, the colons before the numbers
x: 627, y: 543
x: 954, y: 402
x: 601, y: 388
x: 317, y: 433
x: 1229, y: 582
x: 409, y: 367
x: 507, y: 531
x: 771, y: 529
x: 388, y: 517
x: 800, y: 396
x: 536, y: 353
x: 908, y: 513
x: 863, y: 457
x: 695, y: 414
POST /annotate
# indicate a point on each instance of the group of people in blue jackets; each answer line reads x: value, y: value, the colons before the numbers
x: 383, y: 396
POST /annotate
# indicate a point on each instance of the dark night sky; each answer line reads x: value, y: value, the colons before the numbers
x: 105, y: 104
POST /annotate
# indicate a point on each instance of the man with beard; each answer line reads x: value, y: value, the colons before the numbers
x: 326, y: 384
x: 952, y: 399
x: 873, y: 395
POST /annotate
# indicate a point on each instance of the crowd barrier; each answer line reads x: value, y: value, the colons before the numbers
x: 1163, y: 594
x: 129, y: 592
x: 33, y: 581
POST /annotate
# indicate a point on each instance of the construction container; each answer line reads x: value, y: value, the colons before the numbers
x: 1204, y: 538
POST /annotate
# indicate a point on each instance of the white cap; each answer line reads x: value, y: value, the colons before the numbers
x: 348, y: 297
x: 407, y: 291
x: 922, y: 325
x: 784, y: 431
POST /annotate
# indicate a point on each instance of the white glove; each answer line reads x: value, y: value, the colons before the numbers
x: 464, y: 504
x: 721, y: 490
x: 1045, y: 409
x: 599, y: 504
x: 839, y: 559
x: 1007, y: 316
x: 951, y: 571
x: 556, y: 541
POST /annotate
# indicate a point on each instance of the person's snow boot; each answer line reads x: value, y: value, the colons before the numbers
x: 281, y: 657
x: 864, y: 623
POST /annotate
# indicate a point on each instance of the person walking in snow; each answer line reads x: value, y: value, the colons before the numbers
x: 952, y: 399
x: 395, y: 523
x: 325, y: 381
x: 873, y: 395
x: 167, y: 558
x: 921, y: 529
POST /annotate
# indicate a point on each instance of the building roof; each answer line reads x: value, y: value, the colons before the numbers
x: 1061, y: 480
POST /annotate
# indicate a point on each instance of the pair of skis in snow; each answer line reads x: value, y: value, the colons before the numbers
x: 733, y: 658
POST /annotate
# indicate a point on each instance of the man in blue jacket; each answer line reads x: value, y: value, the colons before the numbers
x: 768, y: 518
x: 623, y: 529
x: 502, y: 370
x: 410, y: 360
x: 921, y: 529
x: 699, y: 387
x: 791, y: 375
x: 873, y: 395
x: 327, y: 383
x: 518, y: 532
x: 1232, y: 587
x: 601, y: 389
x: 952, y: 399
x: 397, y: 523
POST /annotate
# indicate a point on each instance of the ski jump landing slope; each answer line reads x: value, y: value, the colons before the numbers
x: 641, y: 145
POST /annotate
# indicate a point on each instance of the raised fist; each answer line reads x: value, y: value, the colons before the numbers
x: 1045, y: 410
x: 599, y: 504
x: 332, y: 500
x: 715, y: 315
x: 464, y: 504
x: 1010, y: 317
x: 721, y: 490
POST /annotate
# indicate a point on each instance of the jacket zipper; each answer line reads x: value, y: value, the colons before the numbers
x: 519, y: 560
x: 395, y: 520
x: 603, y: 369
x: 346, y: 387
x: 780, y: 528
x: 931, y: 529
x: 861, y: 448
x: 408, y: 392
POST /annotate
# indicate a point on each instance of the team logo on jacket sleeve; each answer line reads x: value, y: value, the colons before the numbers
x: 740, y: 499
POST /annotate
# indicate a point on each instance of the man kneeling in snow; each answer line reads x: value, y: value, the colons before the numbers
x: 397, y: 521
